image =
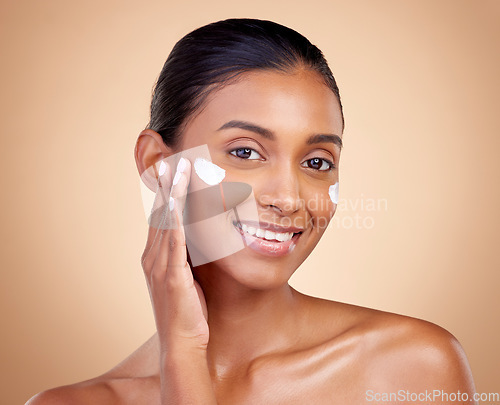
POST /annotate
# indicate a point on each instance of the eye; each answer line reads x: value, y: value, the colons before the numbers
x: 245, y: 153
x: 319, y: 164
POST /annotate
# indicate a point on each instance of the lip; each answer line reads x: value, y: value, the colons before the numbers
x: 267, y: 247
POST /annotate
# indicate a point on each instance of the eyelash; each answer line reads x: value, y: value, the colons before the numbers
x: 330, y: 164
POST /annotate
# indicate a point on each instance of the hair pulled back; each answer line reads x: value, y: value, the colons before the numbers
x: 218, y: 53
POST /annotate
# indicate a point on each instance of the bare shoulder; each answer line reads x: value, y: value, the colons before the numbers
x: 419, y: 354
x: 103, y: 390
x: 92, y: 391
x: 401, y: 352
x: 107, y: 390
x: 135, y: 380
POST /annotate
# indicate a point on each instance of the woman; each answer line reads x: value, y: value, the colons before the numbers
x: 263, y: 101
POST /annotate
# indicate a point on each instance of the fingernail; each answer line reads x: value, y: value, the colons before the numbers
x: 163, y: 167
x: 181, y: 165
x: 171, y: 204
x: 176, y: 178
x: 180, y: 168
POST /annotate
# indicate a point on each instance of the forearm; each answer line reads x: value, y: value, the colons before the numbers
x: 185, y: 378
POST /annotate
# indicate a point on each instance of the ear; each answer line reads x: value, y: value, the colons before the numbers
x: 149, y: 149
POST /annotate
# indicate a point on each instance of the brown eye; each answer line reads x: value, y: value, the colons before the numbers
x: 245, y: 153
x: 319, y: 164
x: 315, y: 163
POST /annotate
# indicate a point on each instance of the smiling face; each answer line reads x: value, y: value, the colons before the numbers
x: 281, y: 134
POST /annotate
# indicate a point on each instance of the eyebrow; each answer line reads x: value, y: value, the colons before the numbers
x: 320, y: 138
x: 265, y: 133
x: 268, y: 134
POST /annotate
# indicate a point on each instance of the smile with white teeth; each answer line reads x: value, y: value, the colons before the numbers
x: 266, y: 234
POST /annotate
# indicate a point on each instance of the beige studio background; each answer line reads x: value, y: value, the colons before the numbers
x: 416, y: 229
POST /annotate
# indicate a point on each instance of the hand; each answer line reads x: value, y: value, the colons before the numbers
x: 178, y: 301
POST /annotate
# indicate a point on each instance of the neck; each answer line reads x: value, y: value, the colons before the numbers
x: 245, y: 323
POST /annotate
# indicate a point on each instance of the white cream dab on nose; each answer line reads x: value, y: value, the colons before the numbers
x: 209, y: 172
x: 333, y: 191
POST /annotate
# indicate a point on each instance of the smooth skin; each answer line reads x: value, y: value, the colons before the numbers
x: 264, y: 342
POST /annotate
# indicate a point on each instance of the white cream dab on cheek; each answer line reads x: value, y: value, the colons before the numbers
x: 333, y: 191
x: 209, y: 172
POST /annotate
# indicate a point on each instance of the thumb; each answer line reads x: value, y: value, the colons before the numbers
x: 201, y: 297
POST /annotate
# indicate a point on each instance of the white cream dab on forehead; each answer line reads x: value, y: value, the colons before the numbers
x: 209, y: 172
x: 333, y: 191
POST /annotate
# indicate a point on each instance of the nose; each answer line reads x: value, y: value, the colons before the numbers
x: 280, y: 192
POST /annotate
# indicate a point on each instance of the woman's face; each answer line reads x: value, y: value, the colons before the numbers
x: 281, y: 134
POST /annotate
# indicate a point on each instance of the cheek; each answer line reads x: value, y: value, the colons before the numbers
x: 321, y: 207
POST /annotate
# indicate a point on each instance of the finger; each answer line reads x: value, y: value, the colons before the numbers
x: 160, y: 214
x: 173, y: 251
x: 180, y: 184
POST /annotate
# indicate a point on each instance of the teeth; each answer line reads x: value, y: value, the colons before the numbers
x: 282, y: 236
x: 266, y: 234
x: 270, y: 235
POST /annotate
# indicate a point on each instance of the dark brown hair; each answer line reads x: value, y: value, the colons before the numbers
x: 213, y: 55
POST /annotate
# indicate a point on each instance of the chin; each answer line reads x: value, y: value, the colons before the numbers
x: 262, y: 276
x: 252, y: 270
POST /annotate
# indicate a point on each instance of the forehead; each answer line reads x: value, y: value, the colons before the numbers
x: 283, y: 102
